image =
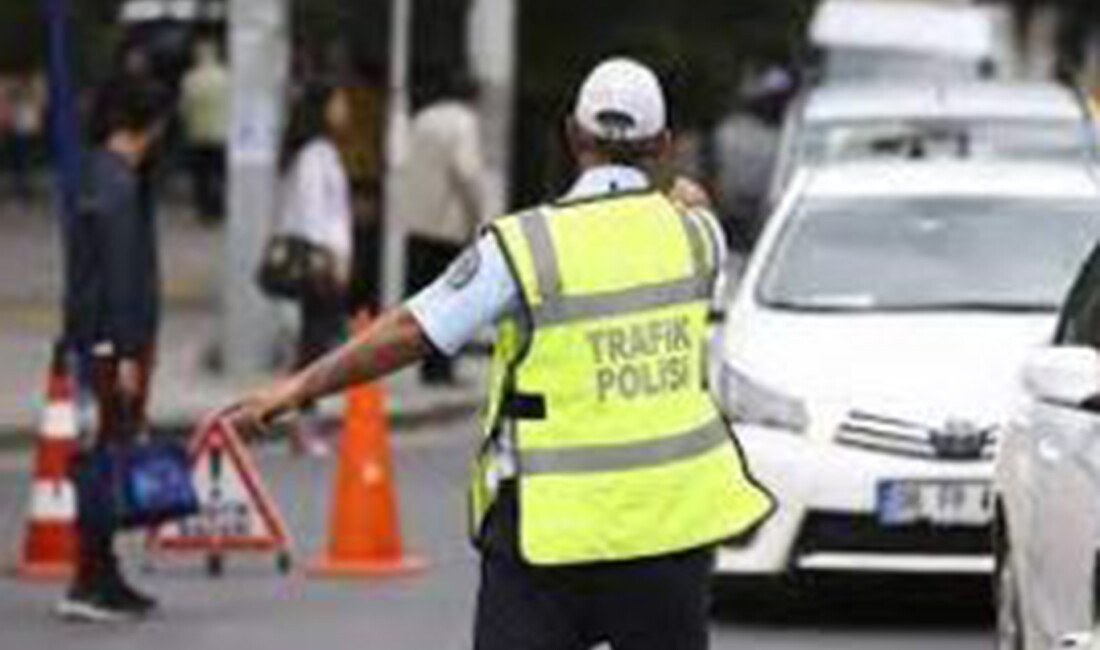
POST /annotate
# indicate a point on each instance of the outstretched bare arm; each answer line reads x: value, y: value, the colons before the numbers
x: 391, y: 342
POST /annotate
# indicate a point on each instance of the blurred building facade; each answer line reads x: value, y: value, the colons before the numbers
x: 526, y: 58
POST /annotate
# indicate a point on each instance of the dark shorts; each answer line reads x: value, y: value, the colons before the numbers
x: 659, y: 603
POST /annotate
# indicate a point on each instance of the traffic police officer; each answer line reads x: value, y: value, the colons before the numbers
x: 606, y: 475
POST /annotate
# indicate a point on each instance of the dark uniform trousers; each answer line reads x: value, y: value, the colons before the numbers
x: 660, y: 603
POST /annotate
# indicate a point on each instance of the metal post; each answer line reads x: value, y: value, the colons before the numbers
x: 259, y: 57
x: 64, y: 127
x: 64, y: 134
x: 491, y: 40
x: 393, y: 255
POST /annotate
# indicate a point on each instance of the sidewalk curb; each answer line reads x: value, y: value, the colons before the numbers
x: 17, y: 440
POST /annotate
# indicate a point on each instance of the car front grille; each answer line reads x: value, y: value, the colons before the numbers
x: 894, y: 436
x: 845, y: 533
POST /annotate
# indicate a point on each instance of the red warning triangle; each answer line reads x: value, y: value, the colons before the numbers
x: 237, y: 512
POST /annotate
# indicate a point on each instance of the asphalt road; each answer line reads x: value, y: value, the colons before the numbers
x: 253, y: 608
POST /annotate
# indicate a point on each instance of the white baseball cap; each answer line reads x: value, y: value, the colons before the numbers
x: 621, y: 100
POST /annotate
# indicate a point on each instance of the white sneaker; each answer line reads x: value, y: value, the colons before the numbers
x: 90, y: 608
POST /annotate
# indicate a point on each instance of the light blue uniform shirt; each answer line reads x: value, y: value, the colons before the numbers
x: 478, y: 290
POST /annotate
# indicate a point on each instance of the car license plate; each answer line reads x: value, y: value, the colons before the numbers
x: 945, y: 503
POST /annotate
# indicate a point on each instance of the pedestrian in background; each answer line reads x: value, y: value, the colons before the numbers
x: 440, y: 192
x: 316, y: 205
x: 112, y: 315
x: 27, y: 108
x: 364, y: 153
x: 131, y: 68
x: 607, y: 475
x: 204, y: 107
x: 747, y: 143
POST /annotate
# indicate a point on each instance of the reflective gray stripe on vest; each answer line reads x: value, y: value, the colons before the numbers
x: 556, y: 309
x: 618, y: 458
x: 697, y: 242
x: 536, y: 230
x: 600, y: 305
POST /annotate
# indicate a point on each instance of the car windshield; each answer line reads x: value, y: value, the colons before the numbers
x: 988, y: 139
x: 929, y: 254
x: 860, y: 64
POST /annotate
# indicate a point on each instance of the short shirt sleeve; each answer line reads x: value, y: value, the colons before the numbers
x: 475, y: 292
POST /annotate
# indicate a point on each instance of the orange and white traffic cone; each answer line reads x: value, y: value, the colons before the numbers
x: 49, y: 546
x: 364, y: 534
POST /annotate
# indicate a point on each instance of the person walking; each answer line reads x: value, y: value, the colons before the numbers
x: 112, y: 314
x: 440, y: 194
x: 316, y: 206
x: 607, y: 474
x: 204, y: 106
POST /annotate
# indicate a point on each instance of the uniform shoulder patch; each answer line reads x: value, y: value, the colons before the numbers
x: 464, y: 269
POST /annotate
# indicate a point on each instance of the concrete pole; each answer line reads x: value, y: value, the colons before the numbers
x: 393, y: 253
x: 259, y: 57
x: 492, y: 43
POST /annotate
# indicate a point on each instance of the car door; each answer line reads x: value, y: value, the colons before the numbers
x: 1060, y: 561
x: 1065, y: 457
x: 1079, y: 323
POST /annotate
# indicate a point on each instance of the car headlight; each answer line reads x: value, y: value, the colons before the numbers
x: 748, y: 401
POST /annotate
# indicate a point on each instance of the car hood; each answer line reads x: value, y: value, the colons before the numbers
x: 922, y: 367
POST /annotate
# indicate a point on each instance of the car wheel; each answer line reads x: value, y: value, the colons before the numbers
x: 1010, y: 620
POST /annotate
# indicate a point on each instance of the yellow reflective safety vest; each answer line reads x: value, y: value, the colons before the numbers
x: 599, y: 386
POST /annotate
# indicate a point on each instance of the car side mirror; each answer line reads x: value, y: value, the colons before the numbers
x: 1068, y: 376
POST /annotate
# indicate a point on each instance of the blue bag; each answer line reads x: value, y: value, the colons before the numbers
x: 136, y: 486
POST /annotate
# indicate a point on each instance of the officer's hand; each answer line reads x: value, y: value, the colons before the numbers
x: 255, y: 413
x: 689, y: 195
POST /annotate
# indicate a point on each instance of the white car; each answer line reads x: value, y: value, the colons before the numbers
x: 1048, y: 489
x: 871, y: 350
x: 966, y: 120
x: 861, y: 39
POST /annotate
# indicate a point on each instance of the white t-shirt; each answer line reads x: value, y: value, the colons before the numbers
x: 439, y: 187
x: 204, y: 104
x: 317, y: 199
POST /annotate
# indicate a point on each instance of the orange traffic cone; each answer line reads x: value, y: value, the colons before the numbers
x: 49, y: 547
x: 364, y: 535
